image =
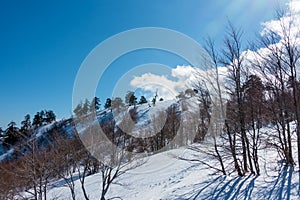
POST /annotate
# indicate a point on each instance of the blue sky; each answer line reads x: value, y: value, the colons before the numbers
x: 43, y: 43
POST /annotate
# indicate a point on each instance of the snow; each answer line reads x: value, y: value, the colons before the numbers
x: 146, y: 114
x: 43, y: 129
x: 164, y: 176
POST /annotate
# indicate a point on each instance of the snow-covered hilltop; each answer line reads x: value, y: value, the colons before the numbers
x: 180, y: 173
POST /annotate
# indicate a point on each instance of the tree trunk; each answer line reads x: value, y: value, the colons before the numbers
x: 233, y: 152
x: 219, y: 157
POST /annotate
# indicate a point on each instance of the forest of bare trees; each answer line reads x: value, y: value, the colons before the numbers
x: 259, y: 89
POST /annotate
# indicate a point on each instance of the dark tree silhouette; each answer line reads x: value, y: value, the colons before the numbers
x: 26, y: 123
x: 143, y: 100
x: 130, y: 98
x: 107, y: 103
x: 95, y: 104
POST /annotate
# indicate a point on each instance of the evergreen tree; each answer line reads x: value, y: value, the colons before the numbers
x: 85, y: 107
x: 26, y: 123
x: 143, y: 100
x: 117, y: 103
x: 82, y: 108
x: 95, y: 105
x: 107, y: 103
x: 42, y: 115
x: 78, y: 110
x: 38, y: 119
x: 130, y: 98
x: 11, y: 127
x: 11, y: 134
x: 50, y: 116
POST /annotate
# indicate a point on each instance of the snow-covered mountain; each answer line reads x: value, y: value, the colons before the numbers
x: 168, y: 174
x: 69, y: 127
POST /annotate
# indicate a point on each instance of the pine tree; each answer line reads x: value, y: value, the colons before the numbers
x: 78, y: 110
x: 143, y: 100
x: 50, y: 116
x: 11, y: 127
x: 117, y: 103
x: 107, y: 103
x: 38, y: 119
x: 95, y: 105
x: 130, y: 98
x: 12, y: 134
x: 85, y: 107
x: 42, y: 115
x: 26, y: 123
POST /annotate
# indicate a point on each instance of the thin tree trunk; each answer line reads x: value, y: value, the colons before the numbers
x: 219, y: 157
x: 249, y: 156
x: 233, y: 152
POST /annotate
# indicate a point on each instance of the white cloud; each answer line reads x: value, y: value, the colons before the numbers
x: 287, y: 25
x: 281, y: 24
x: 167, y: 88
x: 182, y: 77
x: 183, y: 72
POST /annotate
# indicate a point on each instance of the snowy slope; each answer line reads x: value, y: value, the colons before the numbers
x: 145, y: 113
x: 164, y: 176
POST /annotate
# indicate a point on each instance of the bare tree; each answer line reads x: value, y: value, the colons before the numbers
x: 233, y: 57
x: 114, y: 159
x: 210, y: 93
x: 291, y: 55
x: 66, y: 164
x: 30, y: 171
x: 278, y: 67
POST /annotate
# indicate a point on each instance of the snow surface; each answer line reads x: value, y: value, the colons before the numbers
x: 43, y: 129
x: 164, y: 176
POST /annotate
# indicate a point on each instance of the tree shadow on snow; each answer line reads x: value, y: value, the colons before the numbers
x: 281, y: 186
x: 232, y: 188
x: 221, y: 187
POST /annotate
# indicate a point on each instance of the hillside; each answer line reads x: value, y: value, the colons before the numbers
x: 164, y: 176
x: 169, y: 174
x: 43, y: 134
